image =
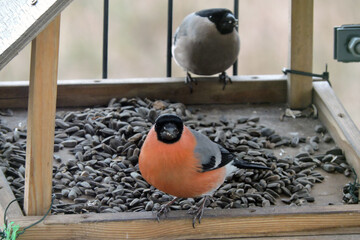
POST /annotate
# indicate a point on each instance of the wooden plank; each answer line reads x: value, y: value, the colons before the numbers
x: 72, y: 93
x: 21, y: 22
x: 338, y: 122
x: 256, y: 222
x: 6, y: 196
x: 41, y: 116
x: 307, y: 237
x: 301, y: 53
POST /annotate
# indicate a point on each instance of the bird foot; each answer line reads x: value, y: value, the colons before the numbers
x: 223, y: 77
x: 189, y: 80
x: 198, y: 211
x: 165, y: 208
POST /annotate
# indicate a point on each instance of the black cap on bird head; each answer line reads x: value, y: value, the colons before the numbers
x: 169, y: 128
x: 223, y: 19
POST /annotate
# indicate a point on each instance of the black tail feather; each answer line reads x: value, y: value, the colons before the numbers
x: 248, y: 165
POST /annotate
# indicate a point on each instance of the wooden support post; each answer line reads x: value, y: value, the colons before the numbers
x: 41, y: 119
x: 301, y: 53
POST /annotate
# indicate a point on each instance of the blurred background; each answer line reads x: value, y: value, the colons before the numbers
x: 137, y: 41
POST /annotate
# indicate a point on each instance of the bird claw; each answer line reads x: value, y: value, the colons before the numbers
x: 198, y: 211
x: 164, y: 209
x: 223, y: 77
x: 189, y: 80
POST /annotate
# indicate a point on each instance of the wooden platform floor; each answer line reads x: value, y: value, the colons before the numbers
x: 328, y: 192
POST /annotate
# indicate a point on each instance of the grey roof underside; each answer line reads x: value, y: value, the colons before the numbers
x: 21, y: 21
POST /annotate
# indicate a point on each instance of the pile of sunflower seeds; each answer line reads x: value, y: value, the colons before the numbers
x: 102, y: 175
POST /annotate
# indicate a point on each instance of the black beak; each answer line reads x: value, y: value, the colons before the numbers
x: 231, y: 19
x: 169, y: 131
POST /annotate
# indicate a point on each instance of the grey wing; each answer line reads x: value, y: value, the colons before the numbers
x: 182, y: 30
x: 209, y: 153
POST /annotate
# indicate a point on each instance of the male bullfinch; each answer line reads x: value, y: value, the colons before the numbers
x: 207, y: 43
x: 185, y: 163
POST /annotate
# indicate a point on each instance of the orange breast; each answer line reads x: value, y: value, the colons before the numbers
x: 174, y: 169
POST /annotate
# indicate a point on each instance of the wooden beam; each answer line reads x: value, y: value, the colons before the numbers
x: 73, y: 93
x: 229, y: 223
x: 6, y: 196
x: 41, y: 116
x: 301, y: 53
x: 338, y: 122
x: 21, y: 21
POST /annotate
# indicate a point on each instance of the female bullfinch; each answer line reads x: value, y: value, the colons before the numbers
x: 185, y: 163
x: 207, y: 43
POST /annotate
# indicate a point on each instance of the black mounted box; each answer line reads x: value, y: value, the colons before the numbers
x: 347, y: 43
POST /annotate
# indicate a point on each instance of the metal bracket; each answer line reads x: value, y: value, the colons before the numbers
x: 324, y: 76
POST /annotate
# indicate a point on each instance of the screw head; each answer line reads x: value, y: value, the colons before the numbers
x: 32, y: 2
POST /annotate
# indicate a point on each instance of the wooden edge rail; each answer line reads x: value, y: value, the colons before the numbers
x: 338, y: 122
x: 6, y: 196
x: 255, y: 222
x: 74, y: 93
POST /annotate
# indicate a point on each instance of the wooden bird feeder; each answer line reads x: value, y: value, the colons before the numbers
x: 39, y: 22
